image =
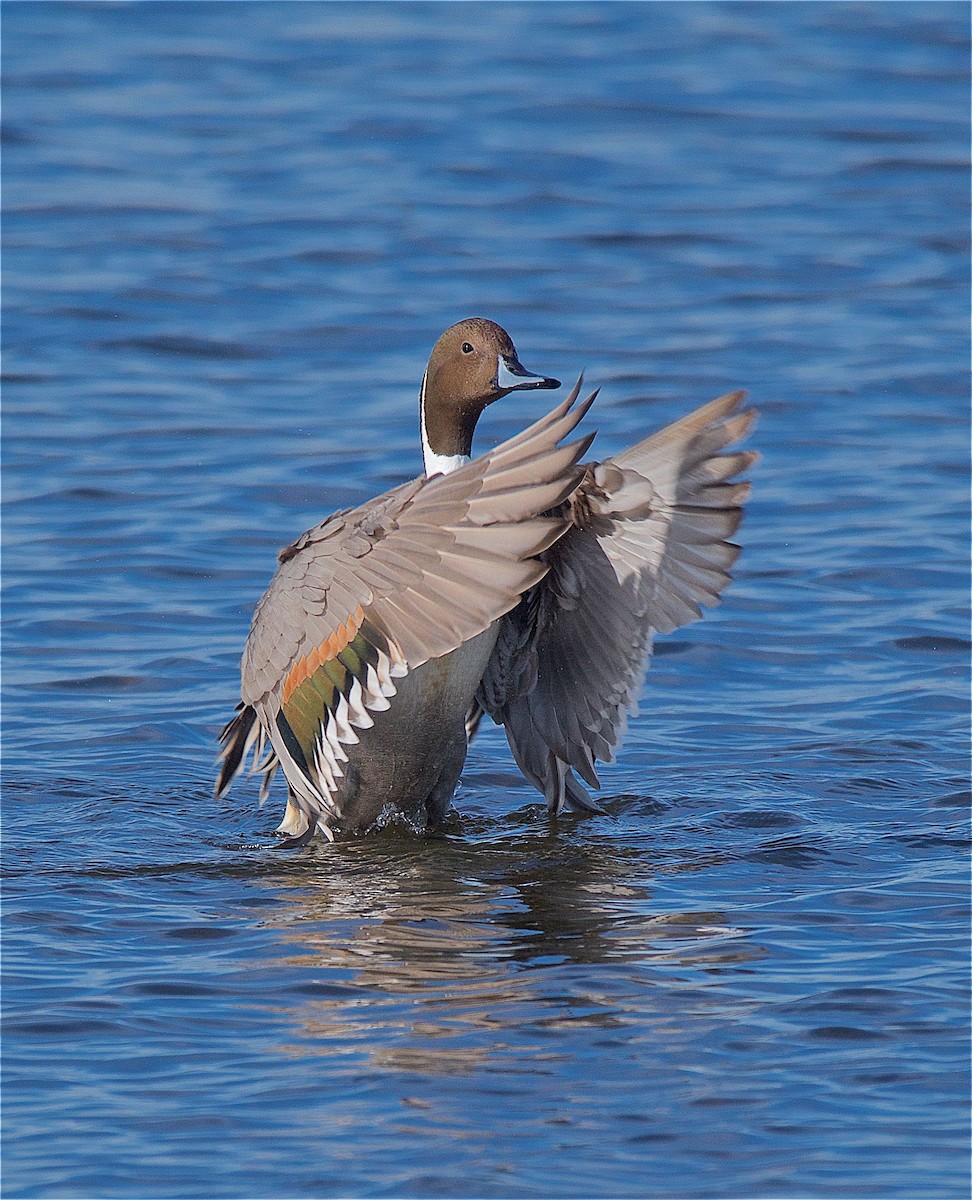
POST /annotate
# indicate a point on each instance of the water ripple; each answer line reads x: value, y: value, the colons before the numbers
x: 231, y: 237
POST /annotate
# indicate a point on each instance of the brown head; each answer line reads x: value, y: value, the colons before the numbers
x: 472, y: 364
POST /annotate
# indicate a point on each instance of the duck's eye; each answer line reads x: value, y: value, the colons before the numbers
x: 467, y: 348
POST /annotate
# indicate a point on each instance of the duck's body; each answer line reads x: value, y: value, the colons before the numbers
x: 520, y: 584
x: 410, y: 760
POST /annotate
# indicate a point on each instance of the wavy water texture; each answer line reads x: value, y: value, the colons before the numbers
x: 232, y: 234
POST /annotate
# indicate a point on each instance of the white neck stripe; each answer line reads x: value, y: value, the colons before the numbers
x: 436, y: 464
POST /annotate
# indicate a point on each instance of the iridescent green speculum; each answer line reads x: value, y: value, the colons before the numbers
x: 319, y: 694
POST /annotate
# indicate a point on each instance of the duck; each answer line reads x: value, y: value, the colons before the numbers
x: 525, y: 584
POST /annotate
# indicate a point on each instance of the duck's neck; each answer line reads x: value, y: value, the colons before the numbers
x: 435, y: 463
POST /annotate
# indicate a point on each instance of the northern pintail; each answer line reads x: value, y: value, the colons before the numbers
x: 523, y: 584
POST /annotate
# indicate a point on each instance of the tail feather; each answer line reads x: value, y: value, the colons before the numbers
x: 237, y: 739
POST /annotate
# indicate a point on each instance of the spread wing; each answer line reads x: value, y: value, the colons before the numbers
x: 374, y: 592
x: 648, y: 545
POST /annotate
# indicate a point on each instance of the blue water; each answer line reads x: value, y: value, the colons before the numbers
x: 232, y: 233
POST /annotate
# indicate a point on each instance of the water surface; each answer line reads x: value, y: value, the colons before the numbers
x: 232, y: 233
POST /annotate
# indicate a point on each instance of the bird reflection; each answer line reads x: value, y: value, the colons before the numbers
x: 418, y: 945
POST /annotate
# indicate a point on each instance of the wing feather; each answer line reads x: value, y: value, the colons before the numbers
x: 647, y: 548
x: 374, y: 592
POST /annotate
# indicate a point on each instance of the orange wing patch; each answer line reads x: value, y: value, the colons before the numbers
x: 330, y: 648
